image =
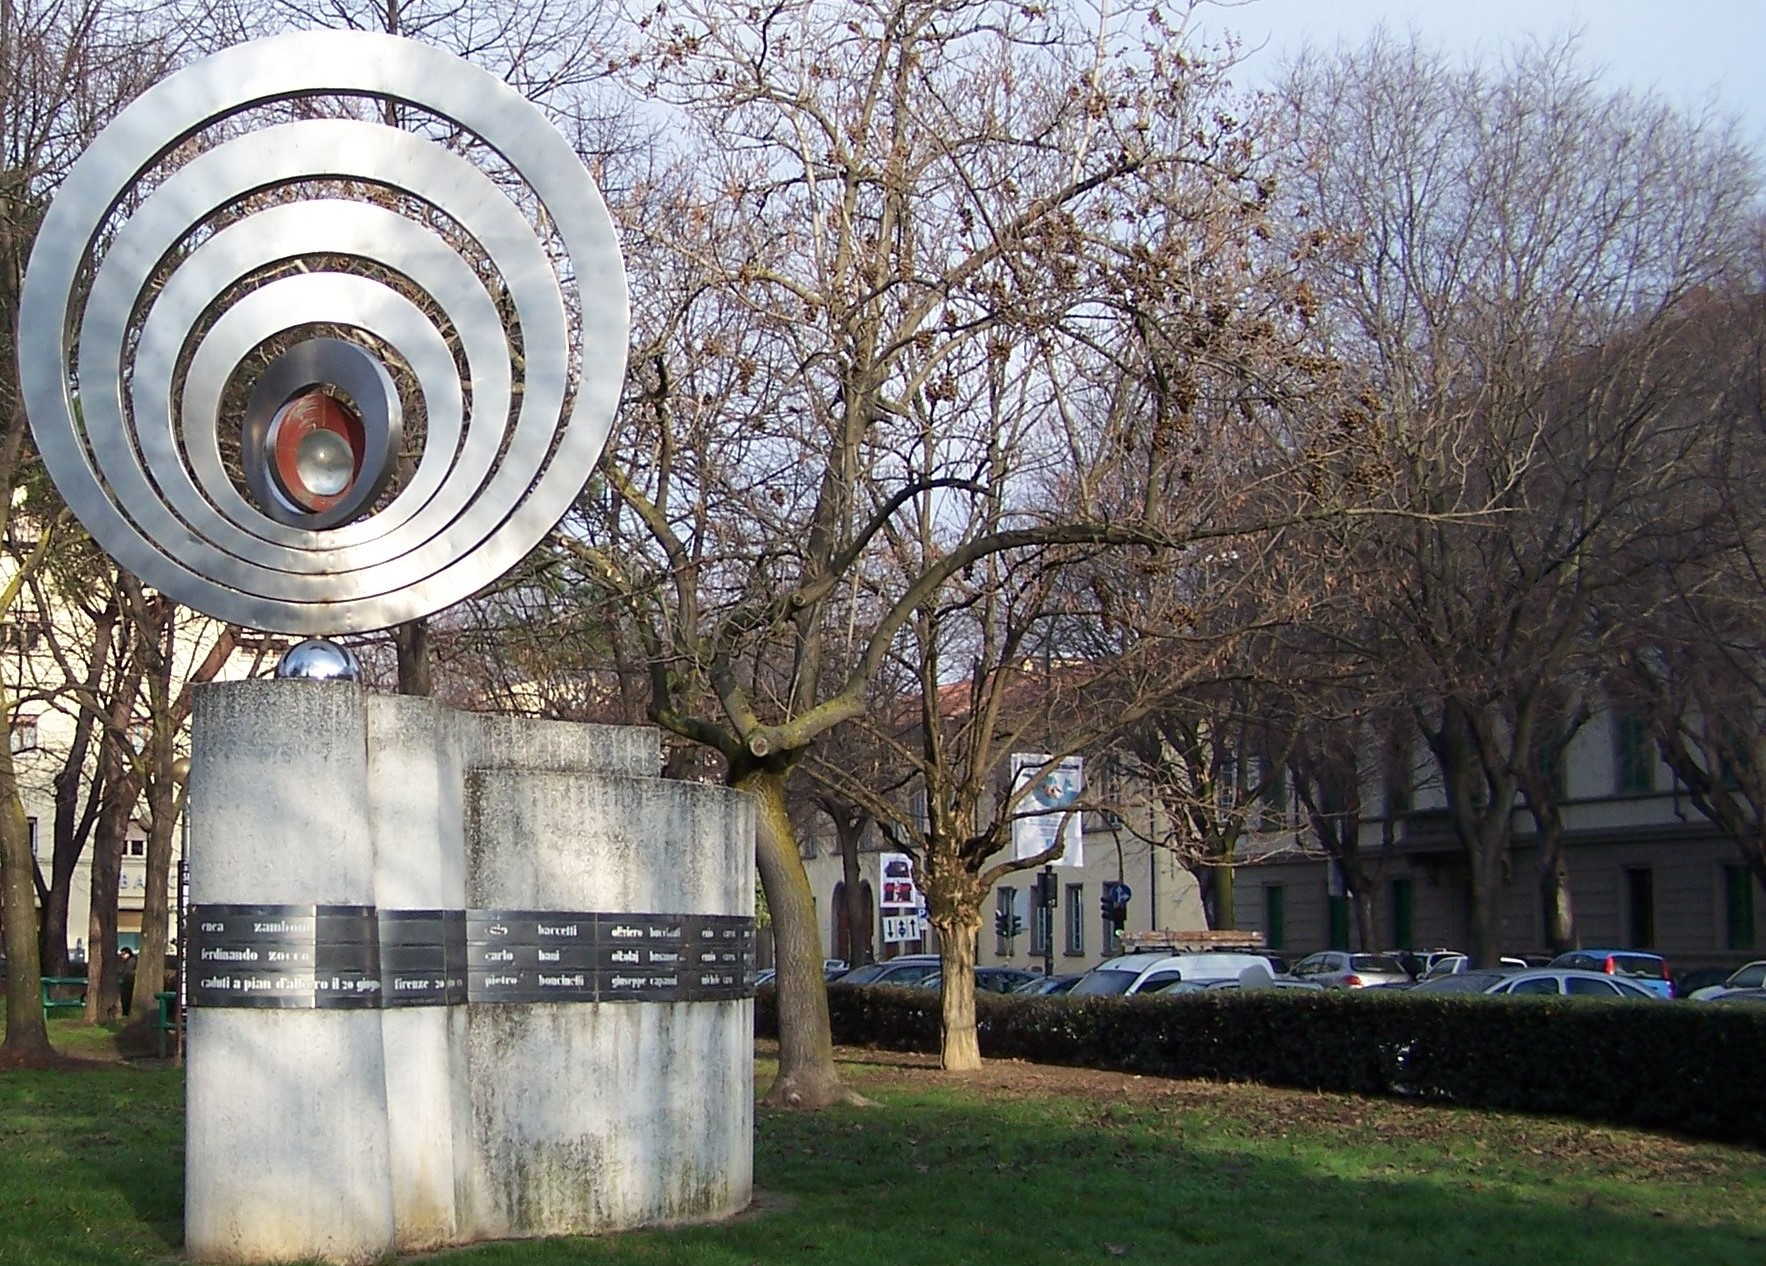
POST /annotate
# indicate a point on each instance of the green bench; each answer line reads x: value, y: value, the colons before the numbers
x: 169, y: 1025
x: 63, y: 993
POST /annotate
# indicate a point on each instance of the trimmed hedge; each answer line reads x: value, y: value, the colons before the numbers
x: 1689, y: 1068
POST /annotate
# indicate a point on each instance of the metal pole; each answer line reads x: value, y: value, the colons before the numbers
x: 178, y: 932
x: 1048, y: 914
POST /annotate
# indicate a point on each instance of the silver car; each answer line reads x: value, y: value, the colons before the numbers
x: 1752, y: 976
x: 1552, y: 982
x: 1339, y: 969
x: 905, y: 971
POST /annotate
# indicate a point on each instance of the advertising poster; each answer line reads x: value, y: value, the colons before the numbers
x: 1045, y: 812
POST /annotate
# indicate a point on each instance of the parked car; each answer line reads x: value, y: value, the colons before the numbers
x: 1339, y: 969
x: 832, y: 970
x: 1210, y: 986
x: 1451, y: 964
x: 1742, y: 997
x: 1639, y: 966
x: 1438, y: 963
x: 909, y: 969
x: 1571, y: 982
x: 1750, y: 976
x: 1048, y: 986
x: 1477, y: 981
x: 1142, y: 973
x: 987, y: 979
x: 1003, y: 979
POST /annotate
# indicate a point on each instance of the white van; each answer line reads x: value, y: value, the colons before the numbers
x: 1141, y: 973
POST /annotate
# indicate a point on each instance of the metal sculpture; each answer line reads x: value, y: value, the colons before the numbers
x: 200, y: 248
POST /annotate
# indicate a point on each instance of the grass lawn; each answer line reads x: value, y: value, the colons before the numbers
x: 1018, y: 1164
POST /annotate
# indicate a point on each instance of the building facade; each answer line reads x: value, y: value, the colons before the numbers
x: 1646, y: 869
x: 1072, y: 937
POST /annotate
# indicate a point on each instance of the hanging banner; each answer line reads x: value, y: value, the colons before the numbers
x: 1046, y: 811
x: 903, y: 908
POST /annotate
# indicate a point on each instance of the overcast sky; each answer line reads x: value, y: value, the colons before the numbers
x: 1693, y: 52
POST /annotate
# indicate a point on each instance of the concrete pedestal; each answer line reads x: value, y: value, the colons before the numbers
x: 286, y: 1149
x: 377, y: 1126
x: 590, y: 1119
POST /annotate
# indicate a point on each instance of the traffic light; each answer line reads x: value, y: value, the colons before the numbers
x: 1046, y: 892
x: 1114, y: 903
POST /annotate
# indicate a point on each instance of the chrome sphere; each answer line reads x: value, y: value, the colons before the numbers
x: 318, y: 660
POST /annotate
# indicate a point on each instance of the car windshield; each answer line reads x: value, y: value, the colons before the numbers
x: 1375, y: 962
x: 1639, y: 965
x: 1105, y: 982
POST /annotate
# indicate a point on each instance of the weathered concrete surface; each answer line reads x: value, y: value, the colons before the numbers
x: 501, y: 742
x: 608, y: 1116
x: 345, y: 1135
x: 415, y: 784
x: 286, y: 1152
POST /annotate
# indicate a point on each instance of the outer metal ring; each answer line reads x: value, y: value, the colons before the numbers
x: 152, y: 488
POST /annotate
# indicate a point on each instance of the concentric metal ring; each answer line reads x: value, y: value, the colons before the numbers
x: 193, y: 289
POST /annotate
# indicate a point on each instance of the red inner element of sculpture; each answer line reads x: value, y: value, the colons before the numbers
x: 293, y: 423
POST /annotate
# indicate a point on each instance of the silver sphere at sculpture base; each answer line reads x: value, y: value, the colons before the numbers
x: 319, y: 660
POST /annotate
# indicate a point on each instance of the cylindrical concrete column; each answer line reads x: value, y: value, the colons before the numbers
x: 604, y: 1116
x: 286, y: 1151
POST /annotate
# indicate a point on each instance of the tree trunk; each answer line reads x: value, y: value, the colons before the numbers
x: 1480, y: 803
x: 27, y: 1036
x: 1361, y: 901
x: 119, y: 789
x: 73, y: 828
x: 104, y: 994
x: 150, y: 963
x: 959, y: 1043
x: 1226, y: 913
x: 850, y: 829
x: 1560, y: 913
x: 807, y: 1074
x: 52, y: 930
x: 412, y: 642
x: 1214, y: 884
x: 1486, y: 922
x: 1204, y: 876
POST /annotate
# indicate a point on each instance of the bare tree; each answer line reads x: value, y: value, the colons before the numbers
x: 64, y: 70
x: 876, y: 201
x: 1508, y: 251
x: 1689, y: 627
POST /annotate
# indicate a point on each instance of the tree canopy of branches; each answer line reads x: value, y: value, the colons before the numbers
x: 65, y: 68
x: 1506, y: 254
x: 897, y: 265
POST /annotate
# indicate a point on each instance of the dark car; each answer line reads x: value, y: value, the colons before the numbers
x: 1003, y: 979
x: 1048, y: 986
x: 909, y: 969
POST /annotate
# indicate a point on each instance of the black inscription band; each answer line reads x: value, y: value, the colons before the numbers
x: 284, y: 956
x: 356, y: 957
